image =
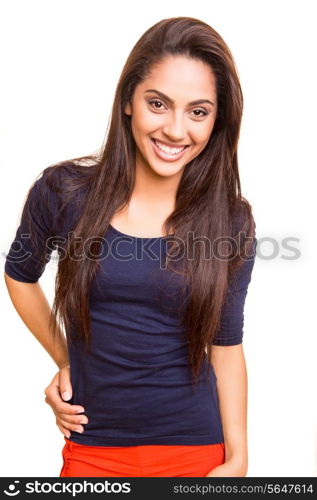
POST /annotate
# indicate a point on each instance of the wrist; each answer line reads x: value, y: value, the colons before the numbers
x: 63, y: 364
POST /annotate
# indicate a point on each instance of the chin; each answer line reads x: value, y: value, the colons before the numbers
x: 166, y: 171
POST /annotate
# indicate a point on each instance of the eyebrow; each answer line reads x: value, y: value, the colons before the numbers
x: 168, y: 99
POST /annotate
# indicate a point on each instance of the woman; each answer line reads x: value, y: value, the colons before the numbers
x: 156, y: 249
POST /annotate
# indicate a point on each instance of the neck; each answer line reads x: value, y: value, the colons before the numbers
x: 152, y: 189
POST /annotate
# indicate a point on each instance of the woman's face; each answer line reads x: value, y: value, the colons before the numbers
x: 173, y: 112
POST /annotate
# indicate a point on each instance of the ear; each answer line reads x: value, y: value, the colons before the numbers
x: 127, y: 109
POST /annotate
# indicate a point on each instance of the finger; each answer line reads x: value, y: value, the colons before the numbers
x: 63, y: 430
x: 65, y: 408
x: 74, y: 419
x: 65, y: 386
x: 71, y: 427
x: 53, y: 398
x: 54, y: 381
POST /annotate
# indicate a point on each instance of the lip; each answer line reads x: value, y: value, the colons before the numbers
x: 165, y: 156
x: 169, y: 145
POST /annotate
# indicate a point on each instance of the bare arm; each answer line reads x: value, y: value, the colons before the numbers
x: 34, y: 310
x: 230, y: 369
x: 26, y: 265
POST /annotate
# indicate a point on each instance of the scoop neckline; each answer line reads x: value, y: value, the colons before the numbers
x: 115, y: 230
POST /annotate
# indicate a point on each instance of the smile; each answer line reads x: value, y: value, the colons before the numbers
x: 166, y: 152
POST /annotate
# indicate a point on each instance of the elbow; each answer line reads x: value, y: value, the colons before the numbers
x: 238, y: 464
x: 242, y: 468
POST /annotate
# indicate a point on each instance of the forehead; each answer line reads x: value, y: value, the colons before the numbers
x: 180, y: 76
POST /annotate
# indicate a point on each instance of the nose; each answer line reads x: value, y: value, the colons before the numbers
x: 175, y: 127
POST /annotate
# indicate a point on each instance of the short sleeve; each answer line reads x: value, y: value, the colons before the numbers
x: 31, y: 249
x: 230, y: 331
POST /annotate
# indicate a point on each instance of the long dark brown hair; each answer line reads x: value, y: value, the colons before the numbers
x: 208, y: 199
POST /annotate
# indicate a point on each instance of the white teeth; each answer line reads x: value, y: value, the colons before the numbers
x: 167, y: 149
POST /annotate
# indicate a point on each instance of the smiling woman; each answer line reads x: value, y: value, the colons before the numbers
x: 173, y: 127
x: 135, y: 371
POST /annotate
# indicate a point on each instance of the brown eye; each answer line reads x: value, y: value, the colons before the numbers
x: 204, y: 112
x: 155, y: 102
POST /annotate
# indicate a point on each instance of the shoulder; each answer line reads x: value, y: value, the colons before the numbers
x: 59, y: 192
x: 68, y: 178
x: 245, y: 244
x: 243, y: 219
x: 65, y: 178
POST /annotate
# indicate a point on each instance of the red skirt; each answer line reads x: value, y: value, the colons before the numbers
x: 140, y: 461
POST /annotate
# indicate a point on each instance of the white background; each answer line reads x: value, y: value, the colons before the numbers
x: 60, y: 62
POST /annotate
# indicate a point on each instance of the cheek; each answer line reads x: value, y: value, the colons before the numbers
x: 144, y: 122
x: 202, y: 135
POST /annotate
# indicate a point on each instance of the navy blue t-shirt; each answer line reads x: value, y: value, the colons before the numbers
x: 135, y: 382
